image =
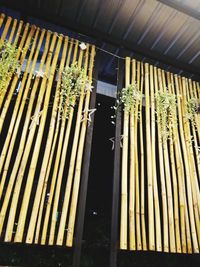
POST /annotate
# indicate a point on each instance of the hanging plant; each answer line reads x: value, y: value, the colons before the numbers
x: 73, y: 80
x: 129, y: 97
x: 8, y: 64
x: 193, y: 108
x: 166, y: 112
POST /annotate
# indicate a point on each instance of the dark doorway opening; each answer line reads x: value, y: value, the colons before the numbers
x: 99, y: 197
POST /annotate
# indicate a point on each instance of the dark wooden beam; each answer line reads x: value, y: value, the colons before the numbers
x: 116, y: 176
x: 101, y: 36
x: 85, y: 174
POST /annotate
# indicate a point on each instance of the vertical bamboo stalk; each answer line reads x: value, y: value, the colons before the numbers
x: 132, y: 235
x: 136, y: 118
x: 124, y: 197
x: 198, y: 89
x: 18, y: 32
x: 168, y: 179
x: 27, y: 149
x: 23, y: 138
x: 57, y: 162
x: 32, y: 169
x: 155, y: 186
x: 144, y: 242
x: 38, y: 194
x: 6, y: 28
x: 149, y: 163
x: 172, y: 139
x: 162, y: 175
x: 12, y: 31
x: 2, y: 17
x: 77, y: 174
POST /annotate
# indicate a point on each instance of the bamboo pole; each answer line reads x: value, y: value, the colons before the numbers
x: 68, y: 187
x: 77, y: 174
x: 23, y: 138
x: 162, y: 175
x: 124, y: 197
x: 6, y: 28
x: 162, y: 85
x: 14, y: 115
x: 132, y: 189
x: 18, y: 32
x: 21, y: 162
x: 172, y: 138
x: 188, y: 182
x: 12, y: 31
x: 2, y: 17
x: 32, y: 169
x: 136, y: 119
x: 168, y: 180
x: 154, y: 177
x: 149, y: 163
x: 40, y: 184
x: 198, y: 89
x: 182, y: 207
x: 57, y: 161
x: 63, y: 155
x: 16, y: 77
x: 144, y: 242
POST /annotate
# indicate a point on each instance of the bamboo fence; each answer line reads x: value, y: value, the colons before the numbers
x: 42, y: 152
x: 160, y: 172
x: 34, y: 172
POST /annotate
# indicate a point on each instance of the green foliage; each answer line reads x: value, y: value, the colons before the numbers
x: 129, y: 97
x: 166, y: 112
x: 73, y: 80
x: 192, y: 109
x: 8, y: 64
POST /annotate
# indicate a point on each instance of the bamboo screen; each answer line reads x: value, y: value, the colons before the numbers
x: 41, y: 151
x: 160, y: 168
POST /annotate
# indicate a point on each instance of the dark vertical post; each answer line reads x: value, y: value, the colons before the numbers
x: 116, y: 175
x: 85, y: 173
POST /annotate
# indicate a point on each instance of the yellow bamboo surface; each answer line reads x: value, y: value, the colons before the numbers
x: 161, y: 178
x: 35, y: 148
